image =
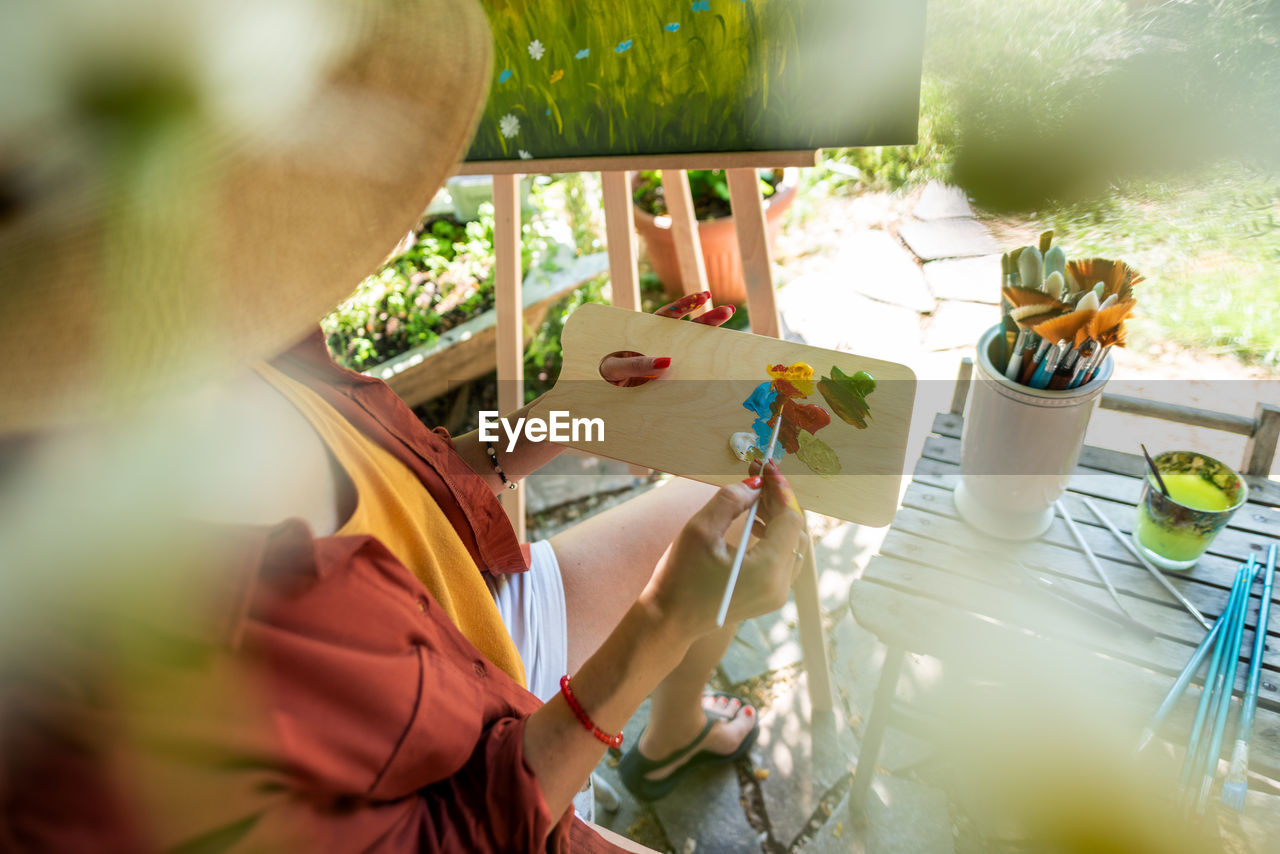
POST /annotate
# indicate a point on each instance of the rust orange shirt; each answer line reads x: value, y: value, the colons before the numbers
x: 300, y: 694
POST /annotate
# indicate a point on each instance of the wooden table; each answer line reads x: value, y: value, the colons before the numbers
x: 935, y: 588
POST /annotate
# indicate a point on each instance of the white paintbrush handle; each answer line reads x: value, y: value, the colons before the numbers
x: 1146, y: 564
x: 1089, y: 556
x: 746, y: 531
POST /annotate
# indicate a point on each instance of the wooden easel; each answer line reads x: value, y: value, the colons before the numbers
x: 620, y: 234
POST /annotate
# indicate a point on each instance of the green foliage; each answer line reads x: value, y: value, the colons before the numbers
x: 1207, y: 241
x: 543, y: 358
x: 442, y: 279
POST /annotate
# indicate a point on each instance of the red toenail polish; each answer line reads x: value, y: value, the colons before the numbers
x: 747, y: 711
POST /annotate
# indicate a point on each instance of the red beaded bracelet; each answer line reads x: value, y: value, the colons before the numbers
x: 587, y: 723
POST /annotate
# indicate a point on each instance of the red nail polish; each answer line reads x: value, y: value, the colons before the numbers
x: 747, y: 711
x: 754, y: 481
x: 662, y: 362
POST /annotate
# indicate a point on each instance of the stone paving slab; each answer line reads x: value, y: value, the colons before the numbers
x: 822, y: 312
x: 570, y: 477
x: 857, y: 660
x: 761, y: 645
x: 968, y: 279
x: 841, y: 555
x: 948, y: 238
x: 902, y: 817
x: 959, y: 324
x: 706, y: 809
x: 804, y: 758
x: 747, y: 656
x: 873, y: 264
x: 941, y: 201
x: 630, y: 812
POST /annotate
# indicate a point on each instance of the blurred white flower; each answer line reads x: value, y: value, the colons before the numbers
x: 509, y: 125
x: 524, y: 155
x: 246, y: 65
x: 535, y: 49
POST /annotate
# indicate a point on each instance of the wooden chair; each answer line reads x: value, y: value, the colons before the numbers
x: 1262, y: 430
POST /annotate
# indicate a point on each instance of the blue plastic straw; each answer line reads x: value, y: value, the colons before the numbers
x: 1226, y: 683
x: 1215, y: 664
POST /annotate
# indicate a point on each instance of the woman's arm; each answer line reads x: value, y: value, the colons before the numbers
x: 677, y: 606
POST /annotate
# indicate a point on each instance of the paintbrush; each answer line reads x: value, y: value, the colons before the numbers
x: 1226, y: 681
x: 1151, y: 464
x: 1090, y: 557
x: 1086, y: 354
x: 1027, y: 341
x: 746, y: 530
x: 1090, y: 607
x: 1244, y: 578
x: 1146, y: 564
x: 1188, y: 672
x: 1116, y: 277
x: 1236, y: 785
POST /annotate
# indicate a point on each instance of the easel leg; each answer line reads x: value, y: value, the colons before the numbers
x: 508, y: 302
x: 620, y: 234
x: 869, y: 754
x: 812, y: 641
x: 753, y: 244
x: 684, y: 230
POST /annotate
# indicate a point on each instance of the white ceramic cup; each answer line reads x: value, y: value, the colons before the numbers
x: 1019, y: 447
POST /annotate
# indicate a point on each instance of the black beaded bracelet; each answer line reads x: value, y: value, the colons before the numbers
x: 493, y: 458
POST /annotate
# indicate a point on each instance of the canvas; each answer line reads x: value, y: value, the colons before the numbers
x: 600, y: 78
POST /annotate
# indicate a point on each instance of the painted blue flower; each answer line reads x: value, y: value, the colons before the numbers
x: 548, y: 111
x: 582, y: 54
x: 761, y: 399
x: 672, y: 27
x: 623, y: 47
x: 506, y: 75
x: 701, y: 5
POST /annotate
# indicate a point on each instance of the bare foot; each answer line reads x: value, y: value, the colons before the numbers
x: 734, y: 721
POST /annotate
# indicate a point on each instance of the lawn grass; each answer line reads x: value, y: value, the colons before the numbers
x: 1207, y: 241
x: 1209, y: 246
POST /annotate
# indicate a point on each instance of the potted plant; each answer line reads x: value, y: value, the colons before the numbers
x: 716, y: 230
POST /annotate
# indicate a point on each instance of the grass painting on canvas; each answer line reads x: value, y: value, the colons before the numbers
x: 586, y: 78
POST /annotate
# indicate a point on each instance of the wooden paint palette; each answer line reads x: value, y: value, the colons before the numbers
x: 682, y: 422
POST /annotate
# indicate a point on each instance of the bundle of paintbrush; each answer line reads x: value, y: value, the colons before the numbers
x: 1221, y: 647
x: 1061, y: 318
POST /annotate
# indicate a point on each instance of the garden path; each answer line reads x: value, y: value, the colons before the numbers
x: 913, y: 279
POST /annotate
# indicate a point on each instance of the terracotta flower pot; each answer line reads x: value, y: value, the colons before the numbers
x: 719, y: 239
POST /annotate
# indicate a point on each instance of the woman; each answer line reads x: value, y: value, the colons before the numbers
x: 255, y: 604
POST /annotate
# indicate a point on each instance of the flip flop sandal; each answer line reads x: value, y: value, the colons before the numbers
x: 635, y: 767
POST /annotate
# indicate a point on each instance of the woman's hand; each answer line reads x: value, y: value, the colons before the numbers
x: 628, y: 368
x: 688, y: 585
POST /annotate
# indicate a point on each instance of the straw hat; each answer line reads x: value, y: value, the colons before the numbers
x: 188, y: 187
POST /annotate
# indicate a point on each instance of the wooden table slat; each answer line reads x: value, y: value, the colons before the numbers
x: 941, y: 587
x: 926, y: 626
x: 1056, y: 551
x: 1251, y: 529
x: 1168, y: 652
